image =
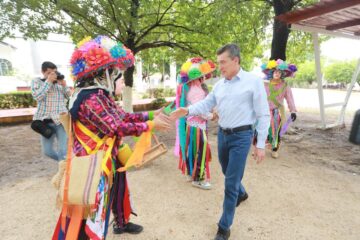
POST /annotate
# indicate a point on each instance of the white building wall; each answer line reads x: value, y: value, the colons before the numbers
x: 28, y: 56
x: 7, y: 52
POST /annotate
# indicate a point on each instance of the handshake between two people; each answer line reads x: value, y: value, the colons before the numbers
x: 163, y: 122
x: 181, y: 112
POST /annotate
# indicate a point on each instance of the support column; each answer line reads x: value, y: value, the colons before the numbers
x: 315, y: 37
x: 349, y: 90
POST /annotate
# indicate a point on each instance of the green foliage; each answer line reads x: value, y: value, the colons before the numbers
x: 305, y: 75
x: 299, y: 44
x: 335, y: 72
x: 145, y: 96
x: 159, y: 30
x: 159, y: 93
x: 16, y: 100
x: 158, y: 103
x: 183, y: 28
x: 340, y: 72
x: 155, y: 60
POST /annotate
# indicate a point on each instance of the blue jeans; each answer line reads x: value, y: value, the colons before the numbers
x: 48, y: 144
x: 232, y: 150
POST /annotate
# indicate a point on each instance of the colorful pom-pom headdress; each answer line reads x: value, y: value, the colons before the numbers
x: 192, y: 69
x: 100, y: 53
x: 195, y: 68
x: 287, y: 70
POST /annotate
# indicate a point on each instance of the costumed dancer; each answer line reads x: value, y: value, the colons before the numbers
x: 192, y: 145
x: 98, y: 123
x: 277, y: 90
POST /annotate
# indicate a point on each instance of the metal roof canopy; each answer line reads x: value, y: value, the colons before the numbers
x: 338, y: 18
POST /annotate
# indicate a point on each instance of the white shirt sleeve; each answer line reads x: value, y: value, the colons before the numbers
x: 204, y: 106
x: 261, y: 108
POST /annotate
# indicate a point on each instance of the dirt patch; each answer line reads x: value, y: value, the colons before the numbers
x: 311, y: 192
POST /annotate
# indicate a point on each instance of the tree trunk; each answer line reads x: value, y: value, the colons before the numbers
x: 127, y: 92
x: 130, y: 43
x: 127, y: 99
x: 280, y: 30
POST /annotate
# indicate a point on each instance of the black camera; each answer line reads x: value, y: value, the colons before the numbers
x: 59, y: 76
x: 42, y: 127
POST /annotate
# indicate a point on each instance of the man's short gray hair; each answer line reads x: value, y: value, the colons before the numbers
x: 232, y: 49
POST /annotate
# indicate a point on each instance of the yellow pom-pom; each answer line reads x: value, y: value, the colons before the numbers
x: 186, y: 66
x: 86, y: 39
x: 271, y: 64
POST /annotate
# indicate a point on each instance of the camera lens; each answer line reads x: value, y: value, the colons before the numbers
x: 59, y: 76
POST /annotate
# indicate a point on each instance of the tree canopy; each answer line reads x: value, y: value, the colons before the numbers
x: 182, y: 28
x: 340, y: 71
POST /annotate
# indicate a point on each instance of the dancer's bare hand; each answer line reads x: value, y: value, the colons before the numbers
x: 178, y: 113
x: 158, y: 112
x: 259, y: 155
x: 162, y: 123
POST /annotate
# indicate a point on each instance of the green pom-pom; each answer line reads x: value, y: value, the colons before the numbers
x: 194, y: 74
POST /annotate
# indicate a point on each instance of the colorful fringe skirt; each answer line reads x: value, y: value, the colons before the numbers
x: 274, y: 129
x: 195, y: 163
x: 112, y: 198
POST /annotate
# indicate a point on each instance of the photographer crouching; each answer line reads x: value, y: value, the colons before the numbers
x: 51, y: 94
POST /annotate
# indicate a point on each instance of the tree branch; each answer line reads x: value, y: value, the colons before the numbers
x: 70, y: 13
x: 117, y: 23
x: 166, y: 10
x: 155, y: 25
x: 177, y: 26
x: 147, y: 31
x: 42, y: 12
x: 203, y: 8
x: 296, y: 2
x: 156, y: 14
x: 157, y: 44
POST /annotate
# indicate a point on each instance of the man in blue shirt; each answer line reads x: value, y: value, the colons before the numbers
x: 241, y: 101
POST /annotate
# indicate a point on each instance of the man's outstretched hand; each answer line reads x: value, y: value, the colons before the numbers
x: 162, y: 122
x: 158, y: 111
x: 178, y: 113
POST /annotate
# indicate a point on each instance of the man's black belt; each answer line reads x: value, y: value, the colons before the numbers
x: 227, y: 131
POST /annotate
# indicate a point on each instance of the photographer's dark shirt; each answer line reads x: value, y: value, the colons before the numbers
x: 51, y: 99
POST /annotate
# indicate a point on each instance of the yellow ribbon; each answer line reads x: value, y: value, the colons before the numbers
x: 141, y: 146
x: 94, y: 137
x: 99, y: 143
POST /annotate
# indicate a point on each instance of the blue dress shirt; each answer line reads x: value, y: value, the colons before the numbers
x: 239, y: 101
